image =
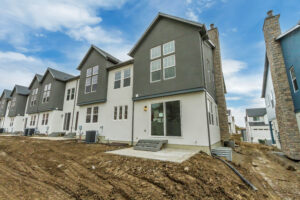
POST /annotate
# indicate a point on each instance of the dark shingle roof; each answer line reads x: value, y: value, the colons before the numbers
x: 255, y: 112
x: 106, y: 55
x: 257, y: 124
x: 39, y: 77
x: 122, y: 64
x: 6, y: 94
x: 22, y: 90
x: 58, y: 75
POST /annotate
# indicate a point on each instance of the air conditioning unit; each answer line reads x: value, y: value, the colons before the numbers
x: 91, y: 137
x: 1, y: 130
x: 31, y: 131
x: 26, y: 130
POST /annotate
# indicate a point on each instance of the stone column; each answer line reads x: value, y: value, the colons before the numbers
x: 213, y: 35
x: 285, y: 114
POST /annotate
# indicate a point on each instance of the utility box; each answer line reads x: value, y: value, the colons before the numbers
x: 91, y: 137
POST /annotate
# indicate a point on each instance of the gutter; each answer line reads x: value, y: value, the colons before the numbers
x: 132, y: 124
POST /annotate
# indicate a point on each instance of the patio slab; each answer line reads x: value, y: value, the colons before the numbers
x: 167, y: 154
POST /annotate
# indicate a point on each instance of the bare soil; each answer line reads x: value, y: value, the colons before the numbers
x: 278, y: 175
x: 40, y: 169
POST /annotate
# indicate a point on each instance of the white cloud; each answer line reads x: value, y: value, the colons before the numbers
x: 188, y: 1
x: 231, y: 66
x: 67, y: 16
x: 191, y: 15
x: 233, y: 98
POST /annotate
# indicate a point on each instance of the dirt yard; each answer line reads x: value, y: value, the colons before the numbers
x: 41, y: 169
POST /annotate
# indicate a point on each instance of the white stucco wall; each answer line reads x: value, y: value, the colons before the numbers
x: 193, y: 120
x: 269, y: 94
x: 70, y: 106
x: 6, y: 121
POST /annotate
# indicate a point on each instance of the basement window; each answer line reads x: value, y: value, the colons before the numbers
x: 294, y: 79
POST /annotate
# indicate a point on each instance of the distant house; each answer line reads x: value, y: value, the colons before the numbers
x: 231, y: 123
x: 257, y: 127
x: 281, y: 84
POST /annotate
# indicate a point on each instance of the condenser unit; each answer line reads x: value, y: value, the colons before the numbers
x: 91, y: 137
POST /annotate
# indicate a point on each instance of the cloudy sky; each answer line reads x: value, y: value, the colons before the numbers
x: 38, y: 34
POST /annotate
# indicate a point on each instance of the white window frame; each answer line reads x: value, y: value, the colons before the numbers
x: 46, y: 93
x: 92, y: 75
x: 164, y: 46
x: 160, y: 68
x: 115, y: 80
x: 293, y: 79
x: 127, y: 77
x: 152, y: 58
x: 169, y: 67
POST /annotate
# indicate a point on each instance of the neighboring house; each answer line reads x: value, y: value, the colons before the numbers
x: 231, y: 123
x: 17, y: 108
x: 45, y: 102
x: 4, y: 99
x: 281, y: 85
x: 173, y: 89
x: 257, y: 127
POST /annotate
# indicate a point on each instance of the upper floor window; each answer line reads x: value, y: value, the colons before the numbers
x: 255, y: 119
x: 46, y: 94
x: 126, y: 80
x: 294, y: 79
x: 70, y: 94
x: 169, y: 48
x: 91, y: 80
x: 13, y: 102
x: 155, y: 52
x: 33, y: 99
x: 73, y: 94
x: 166, y: 58
x: 117, y: 83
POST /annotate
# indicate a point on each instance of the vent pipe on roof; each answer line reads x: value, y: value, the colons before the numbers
x: 270, y: 13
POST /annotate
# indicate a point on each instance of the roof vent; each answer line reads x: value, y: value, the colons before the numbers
x: 212, y: 26
x: 270, y: 13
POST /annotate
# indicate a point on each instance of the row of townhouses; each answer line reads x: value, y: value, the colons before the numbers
x: 231, y: 123
x: 280, y: 85
x: 172, y: 88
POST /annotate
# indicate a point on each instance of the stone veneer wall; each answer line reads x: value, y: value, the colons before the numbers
x: 288, y: 128
x: 213, y: 35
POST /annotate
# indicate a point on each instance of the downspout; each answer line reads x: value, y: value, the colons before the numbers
x: 74, y: 105
x: 132, y: 123
x: 207, y: 119
x: 271, y: 131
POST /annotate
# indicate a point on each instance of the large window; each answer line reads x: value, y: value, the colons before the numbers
x: 46, y: 93
x: 67, y: 121
x: 45, y: 119
x: 166, y: 119
x: 210, y: 112
x: 120, y: 112
x: 33, y: 99
x: 166, y: 58
x: 155, y: 70
x: 92, y: 114
x: 294, y: 79
x: 32, y: 120
x: 70, y: 94
x: 73, y: 94
x: 117, y: 83
x: 126, y: 80
x: 91, y: 80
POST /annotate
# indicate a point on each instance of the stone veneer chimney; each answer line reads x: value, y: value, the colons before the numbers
x: 286, y: 117
x: 213, y: 35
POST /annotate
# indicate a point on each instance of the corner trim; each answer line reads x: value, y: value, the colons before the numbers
x: 169, y: 93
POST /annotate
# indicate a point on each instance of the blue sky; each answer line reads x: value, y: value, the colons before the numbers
x: 35, y: 35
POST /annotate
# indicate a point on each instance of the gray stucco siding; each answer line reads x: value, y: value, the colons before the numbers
x: 189, y: 69
x: 56, y: 94
x: 3, y: 110
x: 34, y: 109
x: 209, y: 69
x: 94, y: 59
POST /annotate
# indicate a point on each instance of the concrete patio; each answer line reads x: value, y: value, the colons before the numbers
x: 167, y: 154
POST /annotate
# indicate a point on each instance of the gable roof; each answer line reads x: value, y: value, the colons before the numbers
x: 22, y: 90
x: 289, y: 31
x: 156, y: 19
x: 122, y: 64
x: 106, y: 55
x: 58, y: 75
x: 38, y: 77
x: 255, y: 112
x: 266, y: 68
x: 6, y: 94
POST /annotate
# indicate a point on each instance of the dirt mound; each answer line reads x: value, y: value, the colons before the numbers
x: 38, y: 169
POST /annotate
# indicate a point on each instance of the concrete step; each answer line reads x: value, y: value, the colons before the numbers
x: 150, y: 145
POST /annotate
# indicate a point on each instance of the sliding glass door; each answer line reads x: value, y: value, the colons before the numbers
x: 165, y: 119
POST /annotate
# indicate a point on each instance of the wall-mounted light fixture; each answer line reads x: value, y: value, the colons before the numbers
x: 145, y: 108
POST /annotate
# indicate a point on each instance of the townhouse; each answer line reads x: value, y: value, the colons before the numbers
x: 280, y: 84
x: 257, y: 127
x: 231, y: 123
x: 172, y: 89
x: 4, y: 100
